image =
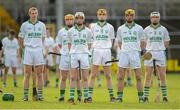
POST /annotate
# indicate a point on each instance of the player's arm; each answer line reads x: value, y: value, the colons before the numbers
x: 119, y: 38
x: 166, y: 38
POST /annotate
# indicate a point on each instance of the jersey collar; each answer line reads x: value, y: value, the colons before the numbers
x: 101, y: 24
x: 32, y: 22
x: 155, y: 27
x: 79, y: 29
x: 130, y: 26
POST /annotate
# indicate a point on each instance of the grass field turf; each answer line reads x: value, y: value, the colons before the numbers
x: 100, y: 97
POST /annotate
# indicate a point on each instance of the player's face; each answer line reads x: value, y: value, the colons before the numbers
x: 33, y: 14
x: 79, y: 20
x: 102, y: 16
x: 129, y: 18
x: 155, y: 19
x: 69, y: 22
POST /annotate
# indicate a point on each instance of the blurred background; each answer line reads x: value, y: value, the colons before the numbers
x: 51, y: 12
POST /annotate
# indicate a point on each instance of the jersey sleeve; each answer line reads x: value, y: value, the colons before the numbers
x: 112, y: 35
x: 90, y: 37
x: 22, y: 31
x: 141, y: 34
x: 118, y: 35
x: 59, y: 38
x: 166, y: 35
x: 44, y: 33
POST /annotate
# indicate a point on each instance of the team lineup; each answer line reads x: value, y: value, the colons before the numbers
x: 81, y: 50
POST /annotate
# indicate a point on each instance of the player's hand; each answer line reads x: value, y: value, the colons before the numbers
x: 143, y: 51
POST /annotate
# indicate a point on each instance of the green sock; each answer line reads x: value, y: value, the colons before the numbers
x: 120, y: 94
x: 40, y: 93
x: 90, y: 92
x: 15, y: 83
x: 26, y: 93
x: 146, y: 91
x: 140, y: 95
x: 72, y: 93
x: 164, y: 91
x: 62, y: 92
x: 129, y: 80
x: 79, y: 93
x: 57, y: 81
x: 85, y: 93
x: 111, y: 93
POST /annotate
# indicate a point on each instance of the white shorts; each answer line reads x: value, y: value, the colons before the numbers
x: 100, y: 56
x: 58, y: 59
x: 33, y: 56
x: 49, y: 60
x: 11, y: 61
x: 64, y: 62
x: 83, y: 58
x: 129, y: 60
x: 159, y: 57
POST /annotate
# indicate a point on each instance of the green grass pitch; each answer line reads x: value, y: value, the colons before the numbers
x: 100, y: 96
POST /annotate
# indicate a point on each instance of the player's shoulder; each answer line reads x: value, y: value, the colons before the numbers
x: 41, y: 23
x: 110, y: 25
x: 86, y: 28
x: 163, y: 27
x: 147, y: 28
x: 138, y: 26
x: 121, y: 27
x: 4, y: 39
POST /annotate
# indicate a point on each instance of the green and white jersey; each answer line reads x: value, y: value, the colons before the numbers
x: 33, y: 33
x: 10, y: 46
x: 130, y: 37
x: 155, y: 37
x: 102, y: 35
x: 79, y: 39
x: 63, y: 40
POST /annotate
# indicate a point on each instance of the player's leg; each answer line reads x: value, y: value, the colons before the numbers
x: 120, y: 84
x: 84, y: 62
x: 73, y: 76
x: 162, y: 76
x: 64, y: 74
x: 129, y: 75
x: 73, y: 80
x: 135, y: 63
x: 7, y: 65
x: 107, y: 73
x: 139, y: 84
x: 39, y: 73
x: 14, y: 68
x: 34, y: 95
x: 123, y: 66
x: 96, y: 61
x: 14, y: 76
x: 99, y: 79
x: 85, y: 75
x: 148, y: 79
x: 79, y: 93
x: 92, y: 80
x: 27, y: 74
x: 5, y: 76
x: 58, y: 74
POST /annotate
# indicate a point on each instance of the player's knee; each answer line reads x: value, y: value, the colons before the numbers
x: 108, y: 76
x: 85, y: 79
x: 120, y: 78
x: 93, y: 76
x: 63, y: 79
x: 73, y: 79
x: 138, y: 78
